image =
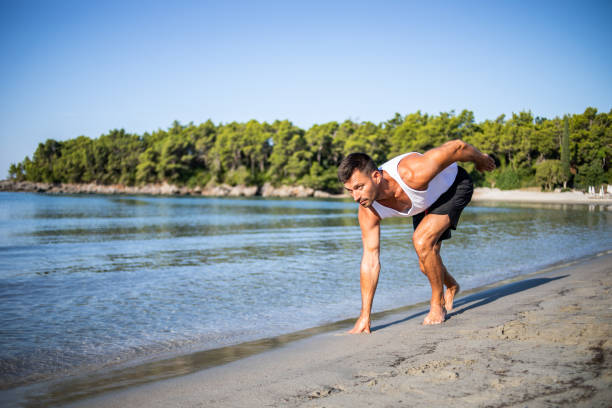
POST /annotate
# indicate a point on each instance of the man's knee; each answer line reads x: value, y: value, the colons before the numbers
x: 437, y: 247
x: 423, y: 245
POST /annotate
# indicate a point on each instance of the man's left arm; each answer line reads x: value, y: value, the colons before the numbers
x: 424, y: 168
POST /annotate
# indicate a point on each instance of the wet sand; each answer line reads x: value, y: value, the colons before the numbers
x: 544, y: 340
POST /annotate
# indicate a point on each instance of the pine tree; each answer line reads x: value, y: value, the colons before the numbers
x: 565, y: 154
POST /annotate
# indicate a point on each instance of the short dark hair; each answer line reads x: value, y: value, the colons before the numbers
x: 355, y: 161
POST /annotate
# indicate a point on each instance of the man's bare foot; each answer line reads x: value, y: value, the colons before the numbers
x: 484, y: 163
x: 362, y: 325
x: 449, y: 296
x: 437, y: 315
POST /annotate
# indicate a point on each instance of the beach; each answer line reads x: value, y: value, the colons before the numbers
x: 535, y: 196
x: 541, y: 340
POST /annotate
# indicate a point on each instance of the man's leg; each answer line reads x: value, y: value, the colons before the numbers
x: 452, y: 287
x: 425, y: 241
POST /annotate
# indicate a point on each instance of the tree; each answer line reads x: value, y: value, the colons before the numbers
x: 205, y: 136
x: 72, y: 165
x: 256, y: 147
x: 176, y: 155
x: 41, y: 167
x: 290, y: 158
x: 146, y: 171
x: 320, y: 139
x: 591, y: 174
x: 17, y: 171
x: 253, y: 152
x: 565, y: 154
x: 548, y: 173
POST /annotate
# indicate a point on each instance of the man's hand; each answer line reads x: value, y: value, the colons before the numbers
x: 361, y: 326
x: 485, y: 163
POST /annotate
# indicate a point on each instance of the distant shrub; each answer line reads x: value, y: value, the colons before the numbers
x: 199, y: 179
x: 507, y: 179
x: 548, y: 173
x: 322, y: 179
x: 592, y: 174
x: 239, y: 176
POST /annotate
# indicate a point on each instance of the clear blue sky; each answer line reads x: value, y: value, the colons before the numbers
x: 73, y: 68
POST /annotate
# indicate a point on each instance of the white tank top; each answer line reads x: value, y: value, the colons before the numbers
x: 421, y: 199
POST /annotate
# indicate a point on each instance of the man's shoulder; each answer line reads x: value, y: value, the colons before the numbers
x: 408, y: 165
x: 368, y: 217
x: 401, y: 157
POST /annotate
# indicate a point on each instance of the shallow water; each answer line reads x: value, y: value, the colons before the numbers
x: 93, y: 281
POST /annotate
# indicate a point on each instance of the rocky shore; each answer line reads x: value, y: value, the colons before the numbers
x: 481, y: 194
x: 222, y: 190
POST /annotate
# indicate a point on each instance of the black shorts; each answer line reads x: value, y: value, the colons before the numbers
x: 451, y: 203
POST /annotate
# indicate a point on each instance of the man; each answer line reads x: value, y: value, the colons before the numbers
x: 429, y: 187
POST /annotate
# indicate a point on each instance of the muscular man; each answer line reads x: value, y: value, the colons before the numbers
x: 429, y: 187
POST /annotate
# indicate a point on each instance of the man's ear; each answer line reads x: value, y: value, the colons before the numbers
x: 377, y: 176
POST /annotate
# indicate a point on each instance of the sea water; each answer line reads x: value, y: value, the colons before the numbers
x: 93, y: 281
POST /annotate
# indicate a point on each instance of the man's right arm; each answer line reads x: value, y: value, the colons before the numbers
x: 370, y: 266
x: 422, y: 169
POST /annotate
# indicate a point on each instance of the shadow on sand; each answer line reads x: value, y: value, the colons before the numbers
x: 480, y: 298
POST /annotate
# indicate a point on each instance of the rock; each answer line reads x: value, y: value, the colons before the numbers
x: 25, y: 186
x: 268, y: 190
x: 217, y: 191
x: 168, y: 189
x: 222, y: 190
x: 301, y: 191
x: 243, y: 191
x: 325, y: 194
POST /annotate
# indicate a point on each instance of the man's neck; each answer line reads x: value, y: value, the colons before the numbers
x: 392, y: 195
x: 389, y: 189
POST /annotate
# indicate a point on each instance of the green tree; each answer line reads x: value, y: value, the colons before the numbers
x: 205, y: 136
x: 320, y: 140
x: 72, y: 165
x: 592, y: 174
x: 320, y: 178
x: 256, y: 148
x: 289, y: 160
x: 146, y: 170
x: 115, y: 156
x: 368, y: 138
x: 549, y: 173
x: 565, y: 154
x: 253, y: 152
x: 176, y: 156
x: 591, y: 146
x: 17, y: 171
x: 41, y: 166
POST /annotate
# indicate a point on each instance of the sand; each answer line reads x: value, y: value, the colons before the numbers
x: 530, y: 196
x: 542, y: 341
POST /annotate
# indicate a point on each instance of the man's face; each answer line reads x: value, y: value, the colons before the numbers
x: 363, y: 188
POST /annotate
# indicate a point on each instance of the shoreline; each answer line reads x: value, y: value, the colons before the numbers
x: 166, y: 189
x: 123, y: 387
x: 485, y: 194
x: 481, y: 194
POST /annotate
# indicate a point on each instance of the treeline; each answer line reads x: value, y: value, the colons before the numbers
x: 570, y: 151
